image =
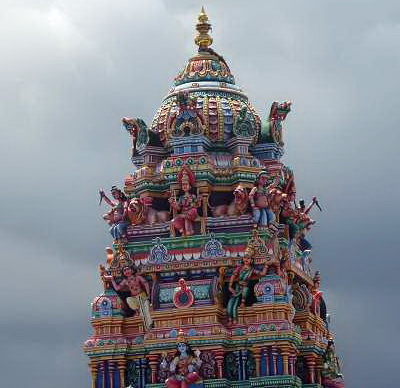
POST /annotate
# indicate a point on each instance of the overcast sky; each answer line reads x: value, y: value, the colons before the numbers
x: 71, y: 69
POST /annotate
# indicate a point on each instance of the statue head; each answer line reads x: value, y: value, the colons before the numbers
x: 248, y: 258
x: 186, y: 179
x: 243, y: 111
x: 129, y: 271
x: 262, y: 178
x: 118, y: 194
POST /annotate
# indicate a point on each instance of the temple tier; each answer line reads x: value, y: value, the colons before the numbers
x: 209, y: 280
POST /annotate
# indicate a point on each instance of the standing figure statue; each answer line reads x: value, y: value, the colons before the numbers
x: 331, y: 375
x: 117, y: 216
x: 262, y: 212
x: 186, y: 205
x: 240, y: 291
x: 140, y: 293
x: 185, y: 366
x: 304, y: 222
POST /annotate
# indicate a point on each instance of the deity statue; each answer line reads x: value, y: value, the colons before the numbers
x: 117, y: 216
x: 317, y: 294
x: 241, y: 277
x: 278, y: 113
x: 187, y: 120
x: 259, y: 201
x: 139, y: 293
x: 244, y: 125
x: 132, y: 128
x: 186, y: 205
x: 185, y: 366
x: 331, y: 376
x: 304, y: 223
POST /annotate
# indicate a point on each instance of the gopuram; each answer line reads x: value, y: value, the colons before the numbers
x: 208, y: 281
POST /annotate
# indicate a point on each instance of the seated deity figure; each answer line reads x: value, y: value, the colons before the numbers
x: 186, y: 204
x: 262, y: 212
x: 185, y: 366
x: 117, y: 216
x: 239, y: 284
x: 140, y: 293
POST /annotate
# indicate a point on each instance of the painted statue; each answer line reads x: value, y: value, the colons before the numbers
x: 317, y: 294
x: 185, y: 367
x: 117, y: 216
x: 132, y: 128
x: 244, y: 125
x: 237, y: 207
x: 259, y: 201
x: 331, y: 376
x: 139, y: 293
x: 278, y: 113
x: 187, y: 120
x: 239, y: 282
x: 186, y: 205
x: 140, y: 211
x: 304, y: 222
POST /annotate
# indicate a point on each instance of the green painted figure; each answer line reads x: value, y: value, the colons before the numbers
x: 241, y: 277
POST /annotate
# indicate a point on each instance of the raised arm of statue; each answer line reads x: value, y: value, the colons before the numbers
x: 104, y: 196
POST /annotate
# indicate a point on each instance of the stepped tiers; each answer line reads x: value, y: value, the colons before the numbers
x: 209, y: 281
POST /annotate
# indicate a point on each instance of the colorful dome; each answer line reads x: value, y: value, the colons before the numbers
x: 205, y: 98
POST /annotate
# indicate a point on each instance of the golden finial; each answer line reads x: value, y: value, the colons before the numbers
x: 203, y: 40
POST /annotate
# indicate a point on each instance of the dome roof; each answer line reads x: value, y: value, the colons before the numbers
x: 205, y: 99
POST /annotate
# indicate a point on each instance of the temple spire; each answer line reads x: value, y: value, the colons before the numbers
x: 202, y: 39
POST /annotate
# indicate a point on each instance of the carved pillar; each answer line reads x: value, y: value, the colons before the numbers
x: 93, y: 372
x: 238, y: 359
x: 274, y: 364
x: 204, y: 202
x: 122, y: 369
x: 318, y: 374
x: 267, y: 354
x: 102, y: 373
x: 111, y: 369
x: 142, y: 373
x: 243, y: 362
x: 310, y: 360
x: 285, y: 356
x: 219, y: 358
x: 153, y: 362
x: 292, y: 367
x: 257, y: 358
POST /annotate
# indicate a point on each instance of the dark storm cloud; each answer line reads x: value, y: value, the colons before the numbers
x: 71, y: 70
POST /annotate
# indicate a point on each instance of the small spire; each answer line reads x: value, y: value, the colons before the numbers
x: 203, y: 40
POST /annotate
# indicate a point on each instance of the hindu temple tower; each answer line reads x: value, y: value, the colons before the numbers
x: 208, y: 279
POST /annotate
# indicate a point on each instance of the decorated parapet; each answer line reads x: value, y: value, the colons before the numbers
x: 208, y: 280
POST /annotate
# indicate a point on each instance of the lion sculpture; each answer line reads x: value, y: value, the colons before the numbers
x: 237, y: 207
x: 140, y: 212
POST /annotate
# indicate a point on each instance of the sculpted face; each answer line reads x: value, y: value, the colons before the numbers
x: 263, y: 179
x: 247, y: 260
x: 185, y: 183
x: 116, y: 194
x: 182, y: 347
x: 127, y: 271
x: 134, y: 206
